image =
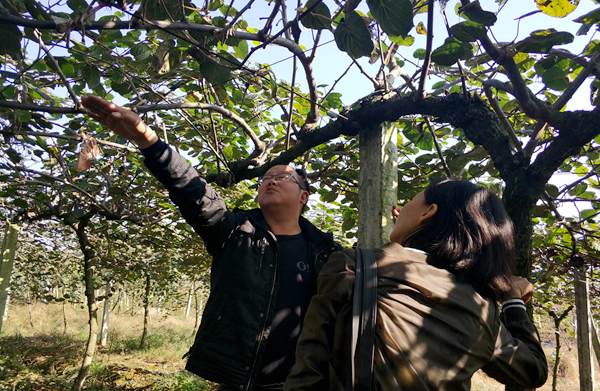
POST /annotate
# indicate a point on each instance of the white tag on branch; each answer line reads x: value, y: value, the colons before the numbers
x: 89, y: 152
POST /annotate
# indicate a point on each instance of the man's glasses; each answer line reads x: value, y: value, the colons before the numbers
x: 287, y: 177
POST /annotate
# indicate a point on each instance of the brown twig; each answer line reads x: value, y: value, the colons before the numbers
x: 428, y: 49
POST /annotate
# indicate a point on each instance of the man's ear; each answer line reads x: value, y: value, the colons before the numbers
x: 429, y: 213
x: 304, y: 197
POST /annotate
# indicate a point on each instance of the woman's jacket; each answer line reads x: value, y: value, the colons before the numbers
x: 432, y: 332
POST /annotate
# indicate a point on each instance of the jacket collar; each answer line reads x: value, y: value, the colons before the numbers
x: 315, y: 236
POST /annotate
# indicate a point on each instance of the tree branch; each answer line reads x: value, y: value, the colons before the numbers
x: 470, y: 114
x: 588, y: 70
x: 502, y: 117
x: 438, y: 149
x: 428, y: 48
x: 168, y: 25
x: 65, y: 137
x: 576, y: 129
x: 529, y: 103
x: 259, y: 145
x: 40, y: 42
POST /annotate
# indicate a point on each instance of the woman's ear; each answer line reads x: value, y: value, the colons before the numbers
x: 428, y: 213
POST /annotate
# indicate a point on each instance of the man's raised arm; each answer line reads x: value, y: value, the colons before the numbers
x: 199, y: 204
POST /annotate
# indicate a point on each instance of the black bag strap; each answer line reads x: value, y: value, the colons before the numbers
x: 364, y: 316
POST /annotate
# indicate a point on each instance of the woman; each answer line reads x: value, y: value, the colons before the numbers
x: 438, y: 320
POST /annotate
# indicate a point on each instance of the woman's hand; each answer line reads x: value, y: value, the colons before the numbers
x: 520, y: 289
x: 395, y: 213
x: 120, y: 120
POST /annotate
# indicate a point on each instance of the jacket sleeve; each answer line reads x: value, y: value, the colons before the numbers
x: 198, y: 203
x: 314, y: 349
x: 518, y: 358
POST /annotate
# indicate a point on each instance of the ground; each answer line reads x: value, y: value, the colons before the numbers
x: 37, y: 353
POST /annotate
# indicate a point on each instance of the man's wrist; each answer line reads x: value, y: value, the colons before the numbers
x: 147, y: 138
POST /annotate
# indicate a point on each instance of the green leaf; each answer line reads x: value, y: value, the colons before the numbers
x: 408, y: 41
x: 555, y: 78
x: 578, y: 189
x: 11, y: 40
x: 552, y: 190
x: 353, y: 37
x: 591, y: 17
x: 66, y: 67
x: 329, y: 196
x: 394, y: 16
x: 91, y: 76
x: 473, y: 12
x: 319, y: 18
x: 160, y: 9
x: 141, y: 52
x: 541, y: 41
x: 451, y: 51
x: 557, y: 8
x: 241, y: 49
x: 468, y: 31
x: 77, y: 5
x: 588, y: 213
x: 211, y: 69
x: 419, y: 54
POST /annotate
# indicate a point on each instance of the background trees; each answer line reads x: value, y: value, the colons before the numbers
x: 241, y: 85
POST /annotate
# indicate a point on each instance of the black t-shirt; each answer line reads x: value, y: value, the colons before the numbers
x: 296, y: 281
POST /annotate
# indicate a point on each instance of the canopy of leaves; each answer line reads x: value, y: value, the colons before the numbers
x: 210, y: 78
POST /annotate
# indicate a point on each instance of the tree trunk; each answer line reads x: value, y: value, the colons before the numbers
x: 7, y: 258
x: 197, y: 312
x: 105, y: 315
x: 64, y: 319
x: 519, y: 209
x: 557, y: 320
x: 188, y: 305
x: 378, y: 181
x: 146, y: 311
x: 88, y: 261
x: 29, y: 316
x: 159, y: 304
x: 117, y: 303
x: 584, y: 332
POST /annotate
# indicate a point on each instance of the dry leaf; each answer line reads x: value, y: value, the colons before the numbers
x: 88, y: 153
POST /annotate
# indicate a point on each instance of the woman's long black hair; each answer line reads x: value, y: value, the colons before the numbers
x: 470, y: 235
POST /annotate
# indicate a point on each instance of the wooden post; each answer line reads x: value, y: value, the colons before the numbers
x: 584, y: 330
x: 188, y: 305
x: 105, y: 315
x: 595, y: 341
x: 7, y: 258
x: 378, y: 181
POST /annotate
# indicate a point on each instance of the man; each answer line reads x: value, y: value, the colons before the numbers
x: 265, y: 261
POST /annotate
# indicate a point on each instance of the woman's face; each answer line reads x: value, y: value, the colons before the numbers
x: 410, y: 217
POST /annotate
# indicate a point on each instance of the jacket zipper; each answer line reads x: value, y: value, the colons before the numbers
x: 267, y: 315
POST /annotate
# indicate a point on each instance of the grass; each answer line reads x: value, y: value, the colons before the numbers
x: 35, y: 355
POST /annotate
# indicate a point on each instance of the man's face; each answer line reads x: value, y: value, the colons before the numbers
x: 280, y: 187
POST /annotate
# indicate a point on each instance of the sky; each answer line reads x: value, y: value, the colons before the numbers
x: 330, y: 62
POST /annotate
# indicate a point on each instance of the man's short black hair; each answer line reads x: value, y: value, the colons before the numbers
x: 303, y: 179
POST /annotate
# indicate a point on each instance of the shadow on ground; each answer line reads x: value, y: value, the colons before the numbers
x: 50, y: 363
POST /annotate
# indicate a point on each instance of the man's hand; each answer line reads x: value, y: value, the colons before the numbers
x: 520, y: 289
x: 120, y: 120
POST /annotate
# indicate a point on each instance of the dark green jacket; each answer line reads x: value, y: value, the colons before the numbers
x: 432, y: 332
x: 234, y: 326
